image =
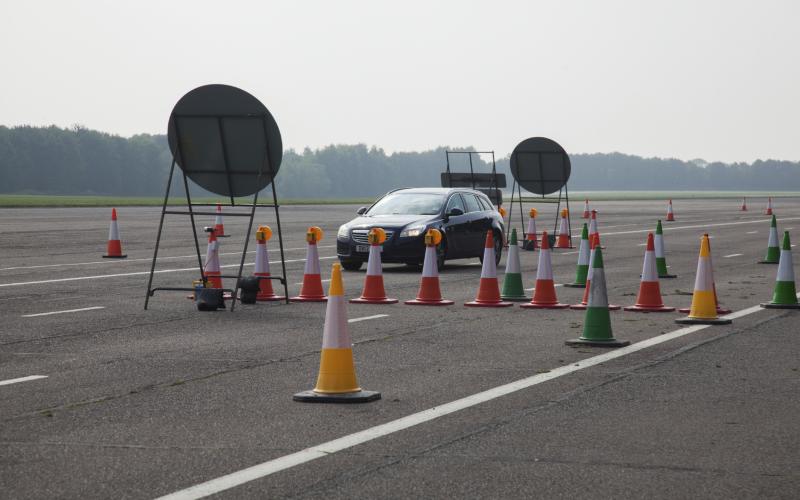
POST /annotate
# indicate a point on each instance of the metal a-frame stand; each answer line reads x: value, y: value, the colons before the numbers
x: 229, y: 176
x: 486, y: 183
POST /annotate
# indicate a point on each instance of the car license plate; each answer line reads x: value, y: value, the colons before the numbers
x: 362, y: 248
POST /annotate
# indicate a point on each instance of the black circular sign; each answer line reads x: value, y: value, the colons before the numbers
x: 540, y: 165
x: 225, y: 140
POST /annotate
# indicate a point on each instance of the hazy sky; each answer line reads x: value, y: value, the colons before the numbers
x: 718, y: 80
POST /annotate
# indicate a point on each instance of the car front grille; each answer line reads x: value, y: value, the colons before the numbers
x: 360, y: 236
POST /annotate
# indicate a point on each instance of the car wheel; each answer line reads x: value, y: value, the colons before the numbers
x: 351, y: 265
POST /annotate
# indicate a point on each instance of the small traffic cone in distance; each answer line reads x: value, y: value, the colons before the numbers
x: 513, y: 289
x: 649, y: 298
x: 265, y: 290
x: 311, y: 290
x: 211, y: 267
x: 597, y: 322
x: 670, y: 214
x: 785, y: 293
x: 429, y: 292
x: 593, y: 231
x: 773, y: 252
x: 661, y: 260
x: 219, y: 226
x: 114, y: 247
x: 530, y: 237
x: 544, y: 295
x: 585, y: 302
x: 768, y: 211
x: 744, y: 204
x: 704, y: 304
x: 336, y: 382
x: 503, y: 213
x: 489, y: 290
x: 585, y: 209
x: 583, y: 260
x: 564, y: 239
x: 374, y: 291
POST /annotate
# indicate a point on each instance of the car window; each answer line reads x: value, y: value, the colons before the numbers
x: 455, y: 202
x: 472, y: 203
x: 486, y: 204
x: 408, y: 204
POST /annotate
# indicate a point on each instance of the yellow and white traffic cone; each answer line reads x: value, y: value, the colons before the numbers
x: 374, y: 291
x: 265, y: 291
x: 311, y: 290
x: 336, y: 382
x: 704, y: 303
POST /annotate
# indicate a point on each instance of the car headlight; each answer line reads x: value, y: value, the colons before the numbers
x: 344, y: 232
x: 412, y: 232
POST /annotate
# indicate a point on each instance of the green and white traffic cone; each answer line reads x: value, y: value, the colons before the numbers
x: 661, y: 260
x: 785, y: 295
x: 773, y: 252
x: 512, y: 281
x: 583, y: 260
x: 597, y: 323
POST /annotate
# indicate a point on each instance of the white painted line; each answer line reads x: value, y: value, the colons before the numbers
x: 570, y: 253
x: 22, y: 379
x: 365, y: 318
x: 732, y: 255
x: 698, y: 226
x: 788, y: 228
x: 642, y: 245
x: 63, y: 312
x: 534, y: 288
x: 751, y: 232
x: 324, y: 281
x: 139, y: 273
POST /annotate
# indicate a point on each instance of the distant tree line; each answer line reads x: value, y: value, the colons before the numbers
x: 78, y: 161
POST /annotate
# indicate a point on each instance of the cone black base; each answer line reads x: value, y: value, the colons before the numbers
x: 720, y: 310
x: 115, y: 256
x: 766, y: 262
x: 701, y: 321
x: 528, y: 245
x: 417, y: 302
x: 575, y: 285
x: 346, y: 397
x: 667, y: 276
x: 597, y: 343
x: 770, y: 305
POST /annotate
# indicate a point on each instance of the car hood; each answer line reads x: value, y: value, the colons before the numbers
x: 388, y: 221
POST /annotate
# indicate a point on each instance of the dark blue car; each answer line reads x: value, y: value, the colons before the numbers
x: 462, y: 215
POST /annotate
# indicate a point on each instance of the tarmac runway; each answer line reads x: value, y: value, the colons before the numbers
x: 477, y: 403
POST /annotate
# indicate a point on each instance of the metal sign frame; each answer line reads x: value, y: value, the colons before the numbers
x: 495, y: 177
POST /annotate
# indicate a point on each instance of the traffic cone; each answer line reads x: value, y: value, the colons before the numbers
x: 564, y: 238
x: 583, y: 260
x: 670, y: 214
x: 265, y: 291
x: 585, y: 209
x: 219, y: 227
x: 489, y: 290
x: 597, y: 322
x: 211, y: 267
x: 649, y: 298
x: 768, y: 211
x: 744, y: 204
x: 114, y: 247
x: 374, y: 292
x: 429, y: 292
x: 704, y: 303
x: 773, y: 252
x: 661, y: 260
x: 512, y: 280
x: 585, y: 302
x: 502, y: 212
x: 311, y: 291
x: 785, y: 294
x: 720, y: 310
x: 544, y: 295
x: 593, y: 231
x: 530, y: 237
x: 336, y: 382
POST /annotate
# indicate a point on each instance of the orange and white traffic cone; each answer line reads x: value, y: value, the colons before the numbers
x: 311, y: 290
x: 544, y: 295
x: 670, y: 214
x: 429, y: 292
x: 586, y: 212
x: 530, y: 237
x: 768, y: 211
x: 564, y: 239
x: 211, y: 267
x: 489, y: 289
x: 704, y: 302
x: 114, y: 247
x: 336, y: 381
x: 219, y: 226
x: 744, y: 204
x: 374, y: 292
x: 593, y: 244
x: 649, y: 299
x: 593, y: 231
x: 265, y: 291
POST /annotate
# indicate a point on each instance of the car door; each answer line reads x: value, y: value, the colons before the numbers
x: 477, y: 225
x: 457, y: 228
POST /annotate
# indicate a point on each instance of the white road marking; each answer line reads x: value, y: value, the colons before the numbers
x: 63, y: 312
x: 534, y: 288
x: 324, y: 281
x: 365, y: 318
x: 642, y: 245
x: 343, y: 443
x: 139, y: 273
x: 751, y: 232
x: 22, y: 379
x: 699, y: 226
x: 570, y: 253
x: 788, y: 228
x: 732, y: 255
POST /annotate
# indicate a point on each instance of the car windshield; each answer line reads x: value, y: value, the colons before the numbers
x: 408, y: 204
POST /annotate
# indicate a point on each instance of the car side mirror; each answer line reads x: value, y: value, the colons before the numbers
x: 455, y: 211
x: 361, y: 210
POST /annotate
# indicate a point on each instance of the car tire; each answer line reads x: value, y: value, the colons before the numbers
x: 351, y: 265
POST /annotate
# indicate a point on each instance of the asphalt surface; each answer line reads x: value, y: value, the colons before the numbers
x: 139, y: 404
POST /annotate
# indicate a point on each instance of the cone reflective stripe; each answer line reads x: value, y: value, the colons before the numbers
x: 265, y: 290
x: 114, y: 246
x: 429, y: 292
x: 512, y: 280
x: 773, y: 252
x: 785, y: 294
x: 488, y: 290
x: 597, y: 322
x: 744, y: 204
x: 649, y: 298
x: 585, y: 209
x: 661, y: 260
x: 211, y: 267
x: 583, y: 260
x: 593, y: 231
x: 768, y: 211
x: 530, y: 237
x: 336, y: 382
x: 670, y: 215
x: 219, y: 227
x: 564, y: 240
x: 311, y: 290
x: 585, y: 302
x: 544, y: 295
x: 704, y: 303
x: 374, y: 291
